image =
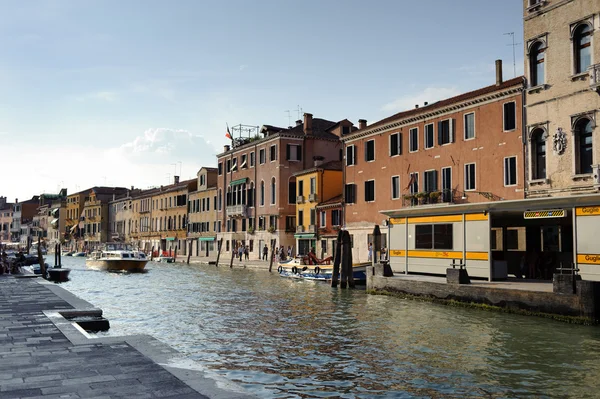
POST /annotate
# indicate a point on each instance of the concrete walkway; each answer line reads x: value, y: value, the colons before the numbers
x: 43, y: 355
x: 508, y: 284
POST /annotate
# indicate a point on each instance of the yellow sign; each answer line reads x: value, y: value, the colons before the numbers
x: 397, y: 252
x: 397, y: 220
x: 588, y: 211
x: 550, y: 213
x: 591, y: 259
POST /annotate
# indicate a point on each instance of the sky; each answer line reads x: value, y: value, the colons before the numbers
x: 130, y: 93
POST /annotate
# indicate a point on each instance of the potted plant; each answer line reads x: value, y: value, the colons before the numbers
x: 271, y: 229
x: 408, y: 197
x: 434, y: 196
x: 337, y: 227
x: 420, y: 197
x: 250, y: 230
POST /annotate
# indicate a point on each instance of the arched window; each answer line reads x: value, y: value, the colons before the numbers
x: 536, y: 63
x: 582, y: 41
x: 583, y: 146
x: 273, y: 194
x: 262, y: 193
x: 243, y: 193
x: 538, y: 154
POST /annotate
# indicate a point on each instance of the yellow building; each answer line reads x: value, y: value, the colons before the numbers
x: 74, y: 211
x: 95, y: 215
x: 202, y: 211
x: 168, y: 216
x: 313, y: 186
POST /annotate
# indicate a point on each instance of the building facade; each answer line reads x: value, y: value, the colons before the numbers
x: 316, y: 185
x: 6, y: 218
x: 562, y: 64
x: 256, y: 189
x: 202, y: 214
x: 163, y: 217
x: 463, y: 149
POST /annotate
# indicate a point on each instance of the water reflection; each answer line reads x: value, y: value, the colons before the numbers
x: 284, y: 338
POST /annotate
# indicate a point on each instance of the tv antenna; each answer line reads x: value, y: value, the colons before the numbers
x: 512, y: 35
x: 289, y: 117
x: 299, y: 110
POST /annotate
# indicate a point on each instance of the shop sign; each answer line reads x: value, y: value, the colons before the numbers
x: 545, y: 214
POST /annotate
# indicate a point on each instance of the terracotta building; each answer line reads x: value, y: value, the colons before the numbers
x: 256, y: 189
x: 6, y: 217
x: 464, y: 149
x: 562, y: 64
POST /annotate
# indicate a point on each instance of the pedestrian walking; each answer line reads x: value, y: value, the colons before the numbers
x: 370, y: 258
x: 241, y: 252
x: 265, y: 252
x: 246, y: 253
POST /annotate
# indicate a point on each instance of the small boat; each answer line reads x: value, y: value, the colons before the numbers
x: 116, y: 257
x: 67, y: 253
x: 78, y: 254
x: 301, y: 268
x: 165, y: 259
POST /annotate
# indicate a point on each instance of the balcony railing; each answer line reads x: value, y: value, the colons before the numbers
x: 429, y: 198
x: 313, y: 197
x: 594, y: 72
x: 299, y: 229
x: 300, y: 199
x: 312, y: 228
x: 236, y: 211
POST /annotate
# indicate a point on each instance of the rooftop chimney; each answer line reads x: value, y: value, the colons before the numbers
x: 416, y: 106
x: 308, y: 123
x: 362, y: 123
x: 176, y: 179
x: 425, y: 104
x: 298, y: 122
x: 498, y: 72
x: 226, y: 148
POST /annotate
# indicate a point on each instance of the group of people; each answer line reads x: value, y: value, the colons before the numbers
x: 279, y: 253
x: 382, y: 256
x: 242, y: 251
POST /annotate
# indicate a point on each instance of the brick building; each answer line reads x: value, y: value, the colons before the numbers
x: 256, y: 189
x: 464, y: 149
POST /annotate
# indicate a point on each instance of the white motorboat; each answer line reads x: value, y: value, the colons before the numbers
x: 116, y: 257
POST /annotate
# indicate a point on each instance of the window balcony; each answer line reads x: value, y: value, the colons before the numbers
x: 313, y: 197
x: 594, y: 72
x: 299, y: 229
x: 237, y: 211
x: 429, y: 198
x: 300, y: 199
x: 535, y: 5
x: 312, y: 228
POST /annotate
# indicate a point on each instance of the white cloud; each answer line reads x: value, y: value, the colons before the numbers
x: 150, y: 159
x: 243, y: 66
x: 430, y: 95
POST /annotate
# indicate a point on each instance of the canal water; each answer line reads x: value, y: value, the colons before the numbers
x: 283, y: 338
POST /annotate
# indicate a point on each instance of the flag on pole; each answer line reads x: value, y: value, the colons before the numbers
x: 228, y: 134
x: 411, y: 181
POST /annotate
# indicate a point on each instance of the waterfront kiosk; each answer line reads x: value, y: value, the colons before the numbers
x: 530, y: 238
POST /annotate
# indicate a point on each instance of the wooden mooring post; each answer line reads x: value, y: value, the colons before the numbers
x: 189, y: 252
x: 41, y: 259
x: 272, y: 255
x: 175, y: 256
x: 59, y: 255
x: 219, y: 246
x: 233, y: 252
x: 55, y: 255
x: 152, y: 253
x: 337, y: 260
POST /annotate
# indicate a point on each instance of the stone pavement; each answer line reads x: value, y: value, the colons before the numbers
x: 43, y: 355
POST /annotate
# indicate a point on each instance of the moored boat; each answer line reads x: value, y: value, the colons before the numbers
x: 303, y: 268
x: 116, y: 257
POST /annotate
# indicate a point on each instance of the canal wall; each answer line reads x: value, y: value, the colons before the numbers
x: 583, y: 305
